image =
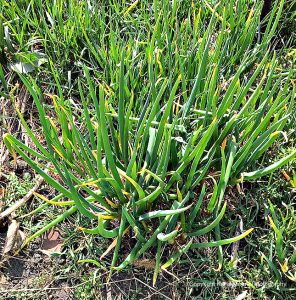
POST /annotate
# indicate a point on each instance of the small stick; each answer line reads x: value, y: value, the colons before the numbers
x: 3, y: 157
x: 22, y: 201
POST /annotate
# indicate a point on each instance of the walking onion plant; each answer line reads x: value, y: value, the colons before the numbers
x: 148, y: 156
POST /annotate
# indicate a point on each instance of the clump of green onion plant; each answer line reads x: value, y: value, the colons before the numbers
x: 143, y: 156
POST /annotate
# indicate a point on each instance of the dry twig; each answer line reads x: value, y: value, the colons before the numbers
x: 22, y: 201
